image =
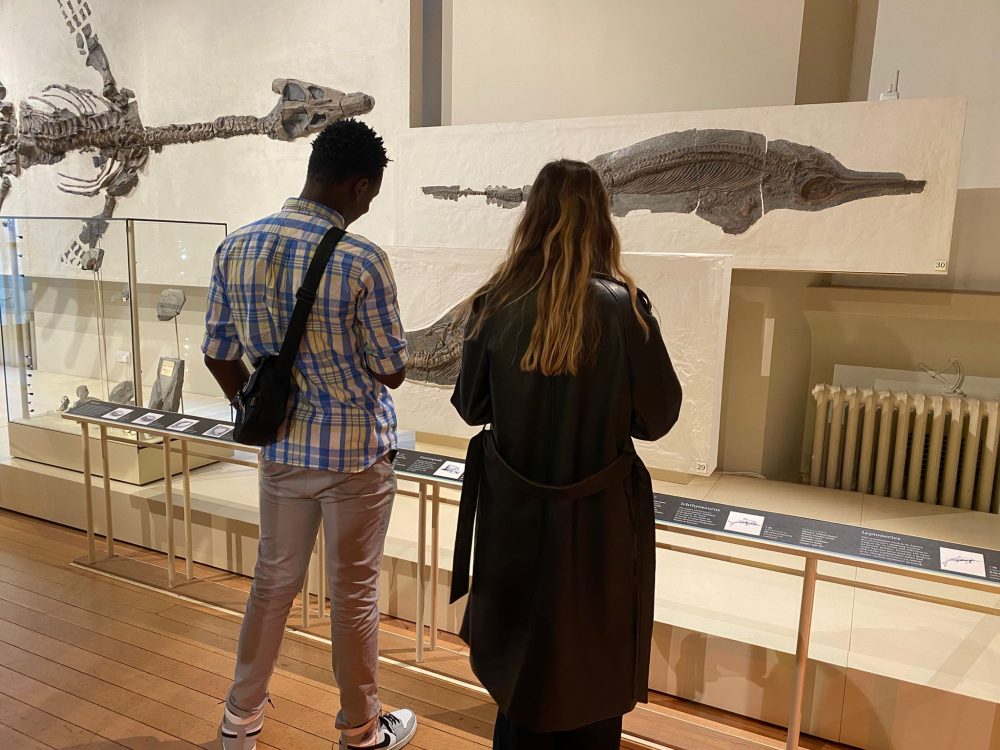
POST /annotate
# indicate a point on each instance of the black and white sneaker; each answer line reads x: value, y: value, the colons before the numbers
x: 391, y: 731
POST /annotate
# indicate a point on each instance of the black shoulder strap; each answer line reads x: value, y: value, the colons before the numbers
x: 305, y: 297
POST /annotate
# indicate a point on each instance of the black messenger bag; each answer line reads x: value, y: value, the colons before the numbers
x: 262, y: 403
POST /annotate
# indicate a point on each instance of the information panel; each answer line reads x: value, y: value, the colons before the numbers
x: 837, y: 538
x: 429, y: 465
x: 137, y: 417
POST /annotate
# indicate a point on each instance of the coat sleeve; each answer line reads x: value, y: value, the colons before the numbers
x: 472, y: 399
x: 656, y: 391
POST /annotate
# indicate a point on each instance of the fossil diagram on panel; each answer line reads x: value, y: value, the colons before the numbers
x: 730, y: 178
x: 63, y: 119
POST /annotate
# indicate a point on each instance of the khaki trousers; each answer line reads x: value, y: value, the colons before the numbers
x: 354, y: 510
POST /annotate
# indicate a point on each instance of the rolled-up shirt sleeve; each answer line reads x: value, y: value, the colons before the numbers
x: 221, y: 338
x: 383, y: 341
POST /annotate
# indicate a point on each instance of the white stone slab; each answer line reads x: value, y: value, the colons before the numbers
x: 691, y: 297
x: 888, y: 234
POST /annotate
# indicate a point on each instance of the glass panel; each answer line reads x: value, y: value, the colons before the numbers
x: 67, y: 333
x: 173, y: 270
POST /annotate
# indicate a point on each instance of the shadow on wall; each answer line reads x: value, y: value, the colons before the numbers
x: 766, y: 381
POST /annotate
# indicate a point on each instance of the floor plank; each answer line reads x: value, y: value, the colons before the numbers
x: 16, y: 740
x: 87, y: 714
x: 48, y: 729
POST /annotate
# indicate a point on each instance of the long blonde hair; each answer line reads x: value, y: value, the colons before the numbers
x: 564, y: 237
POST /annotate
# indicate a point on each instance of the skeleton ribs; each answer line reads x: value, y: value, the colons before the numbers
x: 63, y: 119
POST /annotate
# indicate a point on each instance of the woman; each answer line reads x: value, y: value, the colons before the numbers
x: 565, y: 361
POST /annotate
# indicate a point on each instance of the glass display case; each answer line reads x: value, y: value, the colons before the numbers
x: 108, y: 309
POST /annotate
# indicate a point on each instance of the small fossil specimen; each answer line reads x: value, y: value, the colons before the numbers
x: 123, y: 393
x: 170, y: 304
x: 92, y: 259
x: 166, y: 393
x: 82, y: 396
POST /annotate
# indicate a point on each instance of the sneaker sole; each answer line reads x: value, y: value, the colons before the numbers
x: 400, y: 742
x: 406, y: 740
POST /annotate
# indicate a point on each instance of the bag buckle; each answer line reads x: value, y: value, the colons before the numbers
x: 304, y: 295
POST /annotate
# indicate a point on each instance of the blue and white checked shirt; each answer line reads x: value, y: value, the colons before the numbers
x: 340, y: 417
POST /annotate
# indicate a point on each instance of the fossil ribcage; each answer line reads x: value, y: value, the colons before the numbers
x: 436, y: 351
x: 728, y: 177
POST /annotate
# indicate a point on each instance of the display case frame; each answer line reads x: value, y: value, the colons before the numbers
x: 82, y: 310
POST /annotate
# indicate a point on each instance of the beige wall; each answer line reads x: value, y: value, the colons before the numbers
x: 826, y: 52
x: 864, y: 48
x: 766, y: 383
x: 525, y: 60
x: 835, y: 57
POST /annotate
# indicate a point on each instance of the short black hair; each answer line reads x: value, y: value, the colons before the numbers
x: 345, y: 149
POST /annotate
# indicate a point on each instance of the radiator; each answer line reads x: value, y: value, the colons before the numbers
x: 930, y: 448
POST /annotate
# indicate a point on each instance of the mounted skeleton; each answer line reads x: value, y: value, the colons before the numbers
x: 64, y: 119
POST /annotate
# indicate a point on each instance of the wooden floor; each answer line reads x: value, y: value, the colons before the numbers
x: 88, y: 661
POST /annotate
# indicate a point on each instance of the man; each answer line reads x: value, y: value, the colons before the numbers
x: 331, y: 461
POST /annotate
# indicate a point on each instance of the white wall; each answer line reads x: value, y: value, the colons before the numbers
x: 526, y: 60
x: 947, y: 49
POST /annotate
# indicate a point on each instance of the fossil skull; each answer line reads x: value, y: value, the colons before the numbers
x: 306, y: 108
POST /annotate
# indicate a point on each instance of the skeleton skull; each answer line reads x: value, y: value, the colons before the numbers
x: 92, y: 259
x: 305, y: 108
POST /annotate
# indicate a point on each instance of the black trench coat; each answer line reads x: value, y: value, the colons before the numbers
x: 560, y: 614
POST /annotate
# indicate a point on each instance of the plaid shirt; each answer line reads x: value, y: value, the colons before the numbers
x: 340, y: 417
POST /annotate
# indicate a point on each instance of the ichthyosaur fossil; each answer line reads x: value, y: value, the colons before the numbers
x: 730, y: 178
x: 64, y: 119
x: 436, y: 351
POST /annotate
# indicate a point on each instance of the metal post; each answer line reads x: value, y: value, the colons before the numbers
x: 168, y: 501
x: 88, y: 494
x: 802, y: 654
x: 105, y: 468
x: 435, y: 561
x: 321, y: 544
x: 305, y: 595
x: 24, y: 353
x: 421, y: 561
x: 188, y: 543
x: 133, y: 285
